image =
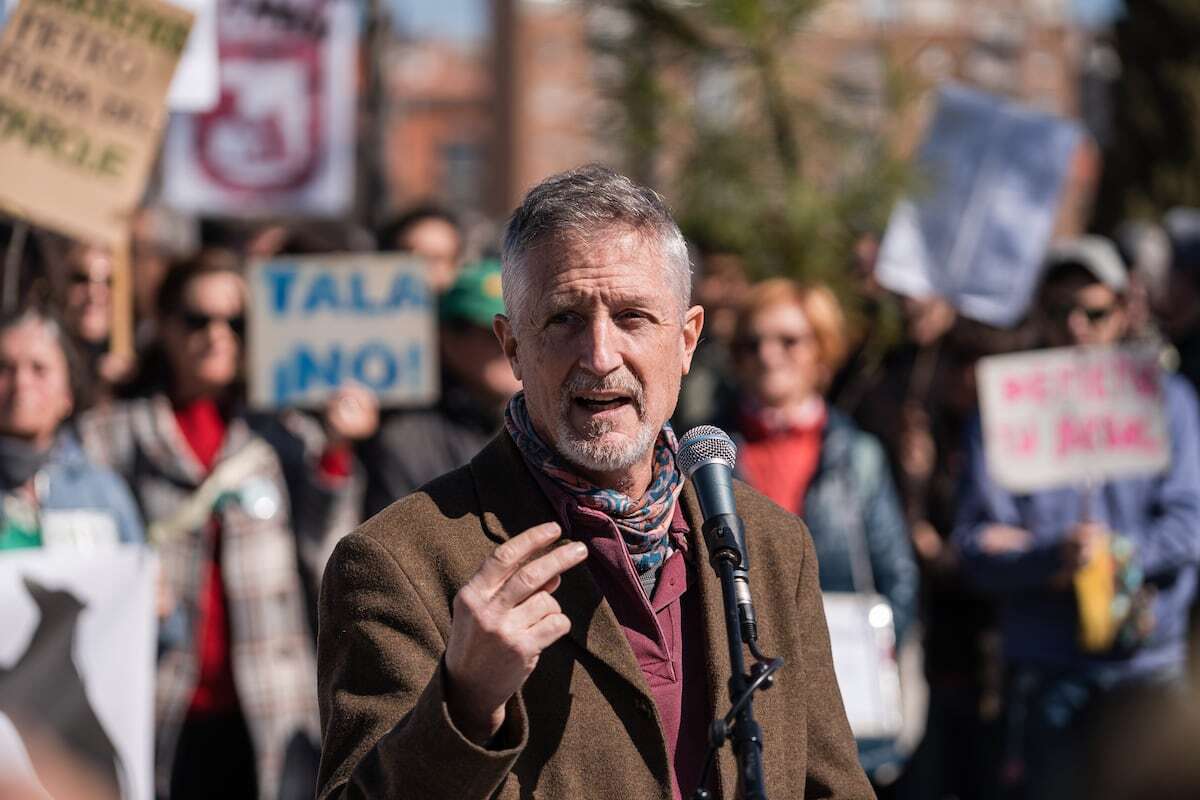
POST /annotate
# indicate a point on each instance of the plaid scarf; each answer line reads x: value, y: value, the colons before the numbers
x: 644, y: 524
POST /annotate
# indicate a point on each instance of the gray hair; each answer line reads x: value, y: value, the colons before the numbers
x: 582, y: 203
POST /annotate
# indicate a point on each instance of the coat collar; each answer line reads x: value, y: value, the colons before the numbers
x: 160, y: 440
x: 511, y: 502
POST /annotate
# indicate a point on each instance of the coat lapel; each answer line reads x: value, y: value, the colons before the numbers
x: 512, y: 502
x: 161, y: 442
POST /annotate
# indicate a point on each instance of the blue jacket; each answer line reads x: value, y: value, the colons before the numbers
x: 850, y: 500
x: 1160, y: 513
x: 71, y: 482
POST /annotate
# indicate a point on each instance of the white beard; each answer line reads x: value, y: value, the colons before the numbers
x: 598, y: 449
x: 601, y: 450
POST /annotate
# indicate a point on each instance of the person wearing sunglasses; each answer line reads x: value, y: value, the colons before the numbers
x: 86, y: 307
x: 814, y: 461
x: 1082, y: 299
x: 1024, y: 551
x: 236, y: 688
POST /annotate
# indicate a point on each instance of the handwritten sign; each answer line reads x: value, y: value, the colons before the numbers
x: 1071, y: 416
x: 82, y: 108
x: 977, y: 237
x: 318, y: 322
x: 77, y: 666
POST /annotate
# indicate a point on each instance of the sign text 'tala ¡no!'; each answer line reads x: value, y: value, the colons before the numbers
x: 347, y: 294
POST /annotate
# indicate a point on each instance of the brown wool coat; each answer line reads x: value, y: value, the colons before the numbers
x: 584, y: 725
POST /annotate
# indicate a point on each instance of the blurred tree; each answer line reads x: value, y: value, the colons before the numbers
x: 1152, y: 161
x: 762, y: 154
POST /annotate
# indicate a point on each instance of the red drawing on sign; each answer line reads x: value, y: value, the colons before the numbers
x: 1027, y: 387
x: 266, y: 133
x: 1020, y: 439
x: 1105, y: 432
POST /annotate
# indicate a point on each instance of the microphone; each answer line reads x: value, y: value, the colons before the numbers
x: 707, y: 456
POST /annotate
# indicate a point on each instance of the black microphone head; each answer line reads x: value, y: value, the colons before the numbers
x: 702, y: 445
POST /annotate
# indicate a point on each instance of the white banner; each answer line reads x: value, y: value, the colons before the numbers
x: 318, y: 322
x: 281, y: 139
x: 1072, y: 416
x: 77, y: 653
x: 978, y: 233
x: 196, y: 87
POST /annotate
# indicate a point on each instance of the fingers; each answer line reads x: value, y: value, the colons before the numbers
x: 549, y: 630
x: 534, y: 610
x: 530, y: 578
x: 508, y: 557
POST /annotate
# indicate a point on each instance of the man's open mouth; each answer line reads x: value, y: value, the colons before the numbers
x: 601, y: 403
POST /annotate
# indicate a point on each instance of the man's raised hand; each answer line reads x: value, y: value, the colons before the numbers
x: 504, y: 617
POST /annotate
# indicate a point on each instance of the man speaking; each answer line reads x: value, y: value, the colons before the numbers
x: 543, y: 623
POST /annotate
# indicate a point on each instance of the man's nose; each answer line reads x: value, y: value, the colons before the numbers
x: 599, y: 354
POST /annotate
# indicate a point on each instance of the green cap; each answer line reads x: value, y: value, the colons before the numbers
x: 475, y: 296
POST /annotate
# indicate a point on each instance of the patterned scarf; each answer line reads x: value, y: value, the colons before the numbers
x: 644, y: 524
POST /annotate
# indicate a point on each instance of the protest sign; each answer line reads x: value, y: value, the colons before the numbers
x: 978, y: 234
x: 82, y: 91
x: 281, y: 139
x: 318, y: 322
x: 1072, y: 416
x: 195, y: 87
x: 77, y: 654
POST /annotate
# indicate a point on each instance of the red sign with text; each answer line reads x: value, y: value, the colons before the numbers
x: 1072, y: 416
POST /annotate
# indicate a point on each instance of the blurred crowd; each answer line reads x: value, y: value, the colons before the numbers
x: 851, y: 406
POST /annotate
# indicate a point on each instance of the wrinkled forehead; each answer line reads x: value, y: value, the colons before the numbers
x: 622, y: 261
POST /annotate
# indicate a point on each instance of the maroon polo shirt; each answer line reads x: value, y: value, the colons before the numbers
x: 665, y: 631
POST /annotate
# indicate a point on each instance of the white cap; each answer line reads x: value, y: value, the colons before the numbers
x: 1095, y: 254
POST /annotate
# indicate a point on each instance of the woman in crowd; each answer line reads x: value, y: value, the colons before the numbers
x: 85, y: 302
x: 52, y: 494
x: 236, y: 700
x: 811, y: 459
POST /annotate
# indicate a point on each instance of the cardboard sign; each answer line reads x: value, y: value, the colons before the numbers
x: 77, y: 663
x: 82, y: 91
x: 281, y: 138
x: 318, y: 322
x: 979, y: 233
x: 1072, y: 416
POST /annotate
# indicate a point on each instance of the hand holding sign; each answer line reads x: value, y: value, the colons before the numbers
x: 351, y: 415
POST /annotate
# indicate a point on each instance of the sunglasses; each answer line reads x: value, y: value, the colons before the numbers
x: 196, y: 321
x: 751, y: 345
x: 1093, y: 314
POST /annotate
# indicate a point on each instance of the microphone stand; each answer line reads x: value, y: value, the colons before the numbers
x: 727, y: 554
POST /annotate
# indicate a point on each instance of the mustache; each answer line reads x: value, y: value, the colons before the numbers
x: 621, y: 381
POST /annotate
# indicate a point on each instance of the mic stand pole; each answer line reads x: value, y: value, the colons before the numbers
x: 739, y: 725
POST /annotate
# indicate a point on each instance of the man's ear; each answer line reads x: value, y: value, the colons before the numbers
x: 693, y: 324
x: 503, y: 328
